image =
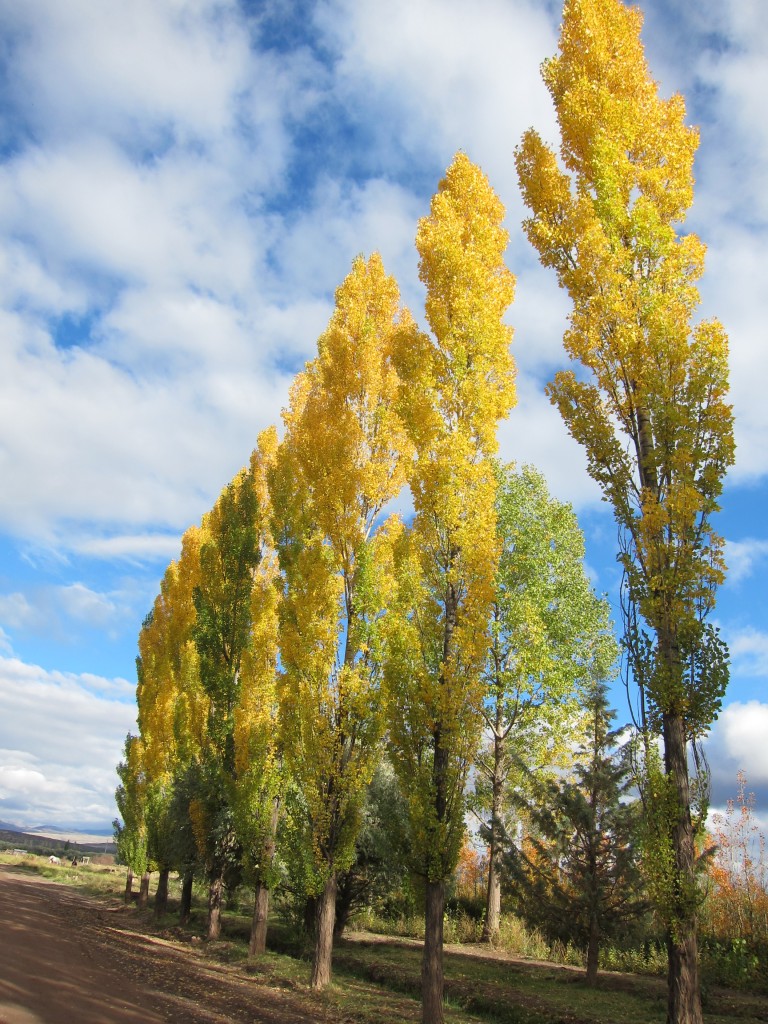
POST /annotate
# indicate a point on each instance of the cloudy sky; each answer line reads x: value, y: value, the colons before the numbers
x: 183, y: 184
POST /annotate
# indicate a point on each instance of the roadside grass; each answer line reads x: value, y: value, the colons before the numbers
x: 377, y: 979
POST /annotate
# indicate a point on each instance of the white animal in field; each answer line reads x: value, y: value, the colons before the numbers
x: 54, y: 860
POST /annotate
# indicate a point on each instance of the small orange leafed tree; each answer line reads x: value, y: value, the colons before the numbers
x: 737, y: 904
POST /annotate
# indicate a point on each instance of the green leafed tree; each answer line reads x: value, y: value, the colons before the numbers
x: 229, y: 555
x: 457, y: 383
x: 649, y: 402
x: 548, y: 635
x: 130, y: 828
x: 577, y: 874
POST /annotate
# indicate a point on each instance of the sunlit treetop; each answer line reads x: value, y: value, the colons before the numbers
x: 467, y: 370
x: 342, y: 424
x: 653, y: 416
x: 172, y: 706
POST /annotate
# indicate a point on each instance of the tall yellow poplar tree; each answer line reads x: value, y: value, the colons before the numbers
x: 649, y: 406
x: 258, y: 761
x: 340, y: 463
x: 171, y: 706
x: 456, y: 386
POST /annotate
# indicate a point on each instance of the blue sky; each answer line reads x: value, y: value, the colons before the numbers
x: 183, y: 184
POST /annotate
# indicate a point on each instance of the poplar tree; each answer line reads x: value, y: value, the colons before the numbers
x: 456, y: 385
x: 171, y: 707
x: 258, y: 755
x: 548, y: 634
x: 130, y: 829
x: 229, y: 555
x: 650, y: 403
x: 340, y: 463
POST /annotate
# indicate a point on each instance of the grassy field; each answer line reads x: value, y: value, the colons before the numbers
x: 376, y: 978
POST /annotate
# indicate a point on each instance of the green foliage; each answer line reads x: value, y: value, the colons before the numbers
x: 548, y: 635
x: 130, y: 829
x: 229, y: 555
x: 577, y: 875
x: 378, y: 880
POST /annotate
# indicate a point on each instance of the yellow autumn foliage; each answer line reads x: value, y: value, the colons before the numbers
x: 341, y: 461
x: 652, y: 415
x: 457, y: 383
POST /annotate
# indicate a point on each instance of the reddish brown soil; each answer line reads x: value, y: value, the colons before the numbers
x: 68, y: 959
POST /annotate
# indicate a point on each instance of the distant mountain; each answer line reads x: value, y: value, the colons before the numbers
x: 57, y: 830
x: 6, y: 826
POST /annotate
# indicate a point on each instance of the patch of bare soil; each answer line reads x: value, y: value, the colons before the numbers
x: 70, y: 959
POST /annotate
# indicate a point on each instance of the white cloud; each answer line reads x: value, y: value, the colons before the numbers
x: 737, y: 742
x: 535, y: 434
x: 54, y: 610
x: 451, y: 75
x: 60, y: 738
x: 743, y: 557
x: 749, y: 651
x: 133, y: 547
x: 80, y: 602
x: 16, y: 610
x: 5, y: 643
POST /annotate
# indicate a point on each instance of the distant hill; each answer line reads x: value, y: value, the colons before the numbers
x: 6, y: 826
x: 76, y: 834
x: 35, y: 842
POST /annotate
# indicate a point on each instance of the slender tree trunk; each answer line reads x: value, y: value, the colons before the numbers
x: 144, y: 890
x: 215, y: 893
x: 185, y: 909
x: 129, y: 886
x: 493, y: 896
x: 593, y: 951
x: 161, y: 896
x: 432, y: 962
x: 258, y: 942
x: 326, y: 915
x: 684, y: 993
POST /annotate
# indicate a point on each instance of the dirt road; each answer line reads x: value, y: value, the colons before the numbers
x: 68, y: 959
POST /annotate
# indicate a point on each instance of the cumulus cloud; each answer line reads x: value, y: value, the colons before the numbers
x: 60, y: 738
x: 749, y: 651
x: 54, y: 610
x: 744, y: 557
x: 736, y: 743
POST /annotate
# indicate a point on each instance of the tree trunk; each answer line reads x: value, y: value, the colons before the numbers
x: 258, y: 942
x: 144, y: 890
x: 326, y: 915
x: 215, y: 892
x: 161, y: 896
x: 493, y: 896
x: 684, y: 994
x: 345, y: 894
x: 432, y: 962
x: 129, y: 886
x: 185, y: 909
x: 593, y: 951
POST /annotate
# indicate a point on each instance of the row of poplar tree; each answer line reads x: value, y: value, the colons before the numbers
x: 300, y: 630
